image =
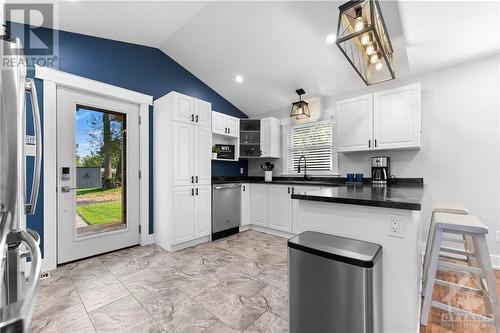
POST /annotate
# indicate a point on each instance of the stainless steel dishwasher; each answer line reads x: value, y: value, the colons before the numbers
x: 226, y: 208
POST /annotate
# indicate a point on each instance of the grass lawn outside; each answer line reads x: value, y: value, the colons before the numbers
x: 101, y: 212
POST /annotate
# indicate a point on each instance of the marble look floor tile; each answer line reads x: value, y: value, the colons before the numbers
x: 57, y: 289
x: 131, y: 260
x: 193, y: 284
x: 149, y: 284
x: 243, y: 285
x: 234, y: 310
x: 275, y: 275
x: 61, y: 318
x: 96, y: 285
x: 124, y: 315
x: 220, y: 327
x: 181, y: 315
x: 268, y: 323
x: 276, y: 301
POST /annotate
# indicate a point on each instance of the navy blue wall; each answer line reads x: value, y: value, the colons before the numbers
x: 135, y: 67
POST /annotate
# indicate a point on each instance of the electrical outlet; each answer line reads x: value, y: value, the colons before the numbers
x: 497, y: 236
x: 395, y: 227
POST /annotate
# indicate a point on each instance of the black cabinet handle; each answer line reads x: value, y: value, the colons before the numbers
x: 244, y: 188
x: 196, y: 191
x: 192, y: 191
x: 288, y: 189
x: 196, y: 179
x: 225, y: 130
x: 229, y: 131
x: 192, y: 179
x: 369, y: 143
x: 196, y: 118
x: 293, y: 190
x: 192, y: 117
x: 375, y: 143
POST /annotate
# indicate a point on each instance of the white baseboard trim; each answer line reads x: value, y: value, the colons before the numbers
x: 147, y: 239
x: 193, y: 242
x: 268, y: 231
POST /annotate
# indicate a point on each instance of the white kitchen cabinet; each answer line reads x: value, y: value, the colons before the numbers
x: 389, y: 119
x: 224, y: 124
x: 202, y: 155
x: 182, y: 171
x: 183, y: 108
x: 270, y: 137
x: 259, y: 204
x: 280, y: 207
x: 183, y: 156
x: 203, y: 113
x: 397, y: 118
x: 183, y: 214
x: 355, y: 123
x: 202, y: 211
x: 245, y: 204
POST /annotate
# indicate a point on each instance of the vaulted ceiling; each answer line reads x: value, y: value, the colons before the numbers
x: 279, y: 47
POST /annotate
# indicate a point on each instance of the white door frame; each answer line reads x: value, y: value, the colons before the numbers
x: 51, y: 80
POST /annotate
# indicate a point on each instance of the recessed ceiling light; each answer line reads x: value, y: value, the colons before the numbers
x: 331, y: 38
x: 239, y: 78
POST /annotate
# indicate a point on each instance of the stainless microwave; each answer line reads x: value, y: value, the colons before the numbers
x: 226, y: 152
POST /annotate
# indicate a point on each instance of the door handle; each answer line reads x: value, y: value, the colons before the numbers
x: 196, y: 191
x: 225, y: 130
x: 375, y: 143
x: 192, y: 191
x: 229, y: 131
x: 293, y: 190
x: 288, y: 189
x: 192, y: 116
x: 369, y: 143
x: 35, y: 185
x: 196, y: 179
x: 66, y: 189
x: 244, y: 189
x: 192, y: 179
x: 196, y: 118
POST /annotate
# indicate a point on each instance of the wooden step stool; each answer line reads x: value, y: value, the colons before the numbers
x: 478, y: 264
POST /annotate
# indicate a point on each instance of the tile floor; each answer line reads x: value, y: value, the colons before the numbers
x: 238, y: 284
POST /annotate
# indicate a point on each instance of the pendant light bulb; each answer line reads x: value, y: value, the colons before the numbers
x: 370, y: 49
x: 359, y: 24
x: 365, y: 39
x: 373, y: 58
x: 379, y: 65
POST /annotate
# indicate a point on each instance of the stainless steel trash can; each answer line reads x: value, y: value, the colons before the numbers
x: 334, y: 283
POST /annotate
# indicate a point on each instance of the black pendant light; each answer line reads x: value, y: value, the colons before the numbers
x: 300, y: 109
x: 363, y: 39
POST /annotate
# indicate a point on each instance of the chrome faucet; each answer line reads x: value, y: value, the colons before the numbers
x: 306, y: 177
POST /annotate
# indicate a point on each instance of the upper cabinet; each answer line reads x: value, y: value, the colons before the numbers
x: 388, y: 119
x: 355, y: 123
x: 225, y: 125
x: 191, y: 110
x: 260, y: 138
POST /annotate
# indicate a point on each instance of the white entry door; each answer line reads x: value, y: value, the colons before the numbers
x: 97, y: 175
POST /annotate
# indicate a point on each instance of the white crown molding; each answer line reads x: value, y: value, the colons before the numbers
x: 84, y: 84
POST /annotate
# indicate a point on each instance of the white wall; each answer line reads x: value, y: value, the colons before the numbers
x: 460, y: 155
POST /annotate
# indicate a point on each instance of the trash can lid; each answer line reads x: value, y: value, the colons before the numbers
x: 347, y: 250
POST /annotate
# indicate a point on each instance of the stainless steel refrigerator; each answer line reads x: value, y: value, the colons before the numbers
x: 19, y: 247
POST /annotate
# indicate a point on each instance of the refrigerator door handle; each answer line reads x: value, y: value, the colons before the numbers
x: 31, y: 205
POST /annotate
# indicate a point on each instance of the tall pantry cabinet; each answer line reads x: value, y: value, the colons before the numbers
x: 182, y: 171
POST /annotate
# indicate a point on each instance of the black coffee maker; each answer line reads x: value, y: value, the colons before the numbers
x: 380, y: 170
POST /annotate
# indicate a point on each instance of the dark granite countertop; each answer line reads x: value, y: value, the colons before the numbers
x: 403, y: 193
x: 407, y: 197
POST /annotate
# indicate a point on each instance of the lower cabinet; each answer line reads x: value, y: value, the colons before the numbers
x: 245, y: 204
x: 258, y: 204
x: 192, y: 217
x: 280, y: 207
x: 271, y: 206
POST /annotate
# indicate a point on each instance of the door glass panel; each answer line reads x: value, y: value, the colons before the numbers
x: 100, y: 171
